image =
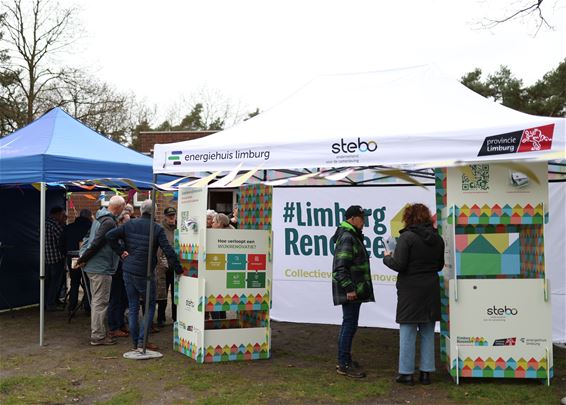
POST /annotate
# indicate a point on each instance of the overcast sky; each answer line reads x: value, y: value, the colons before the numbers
x: 258, y: 52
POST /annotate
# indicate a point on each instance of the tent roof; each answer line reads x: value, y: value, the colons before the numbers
x: 409, y: 116
x: 57, y: 148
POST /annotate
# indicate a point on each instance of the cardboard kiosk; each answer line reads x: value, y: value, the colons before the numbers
x: 496, y: 319
x: 223, y: 297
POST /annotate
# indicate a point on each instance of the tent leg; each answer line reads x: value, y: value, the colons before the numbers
x: 147, y: 321
x: 41, y: 262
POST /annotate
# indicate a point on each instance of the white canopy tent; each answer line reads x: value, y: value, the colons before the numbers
x: 412, y: 119
x: 402, y: 118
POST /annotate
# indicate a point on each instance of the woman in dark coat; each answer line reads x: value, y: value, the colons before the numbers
x: 418, y: 257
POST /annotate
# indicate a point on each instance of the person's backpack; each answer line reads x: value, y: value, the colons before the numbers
x: 89, y: 237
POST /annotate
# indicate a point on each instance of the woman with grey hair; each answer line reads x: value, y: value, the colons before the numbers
x: 221, y: 221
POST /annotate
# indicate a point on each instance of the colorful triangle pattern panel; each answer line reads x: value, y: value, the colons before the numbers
x: 501, y: 368
x: 496, y: 214
x: 255, y: 203
x: 531, y: 251
x: 235, y: 352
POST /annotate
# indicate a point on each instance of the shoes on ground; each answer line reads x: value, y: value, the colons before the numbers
x: 148, y: 346
x: 350, y: 370
x: 118, y: 333
x: 355, y: 364
x: 424, y: 378
x: 406, y: 379
x: 103, y: 342
x: 154, y: 329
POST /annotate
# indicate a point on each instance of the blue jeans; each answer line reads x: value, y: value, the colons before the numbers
x: 53, y: 278
x: 118, y: 302
x: 350, y: 315
x: 407, y: 340
x: 136, y: 289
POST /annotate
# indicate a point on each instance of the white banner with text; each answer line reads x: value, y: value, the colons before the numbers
x: 305, y: 218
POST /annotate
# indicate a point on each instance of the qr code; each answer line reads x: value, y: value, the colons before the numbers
x: 481, y: 180
x: 185, y: 221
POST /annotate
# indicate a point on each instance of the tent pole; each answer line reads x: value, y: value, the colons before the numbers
x: 147, y: 321
x: 41, y: 262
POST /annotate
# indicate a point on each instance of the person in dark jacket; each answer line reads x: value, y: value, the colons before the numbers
x: 164, y: 275
x: 100, y: 263
x: 54, y: 255
x: 351, y: 285
x: 418, y: 257
x: 72, y: 236
x: 118, y: 297
x: 134, y: 253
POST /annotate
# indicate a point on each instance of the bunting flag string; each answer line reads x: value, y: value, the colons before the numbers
x: 243, y: 178
x: 228, y: 178
x: 339, y: 175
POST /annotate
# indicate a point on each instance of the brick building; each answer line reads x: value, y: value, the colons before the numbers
x: 90, y: 200
x: 150, y: 138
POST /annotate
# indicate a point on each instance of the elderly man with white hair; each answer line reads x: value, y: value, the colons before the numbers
x: 134, y: 252
x: 100, y: 263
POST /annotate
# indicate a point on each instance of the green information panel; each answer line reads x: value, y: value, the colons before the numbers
x: 216, y: 261
x: 236, y: 262
x: 256, y: 280
x: 236, y: 280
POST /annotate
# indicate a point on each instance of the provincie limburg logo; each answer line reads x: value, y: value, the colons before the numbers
x: 354, y: 147
x: 527, y: 140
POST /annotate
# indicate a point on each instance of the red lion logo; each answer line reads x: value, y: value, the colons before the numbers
x: 535, y: 139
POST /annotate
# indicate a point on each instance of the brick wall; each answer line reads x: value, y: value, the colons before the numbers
x: 150, y: 138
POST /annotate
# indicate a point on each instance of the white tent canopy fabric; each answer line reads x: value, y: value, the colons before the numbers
x: 404, y: 118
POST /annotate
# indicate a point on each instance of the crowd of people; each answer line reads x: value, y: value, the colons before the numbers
x: 114, y: 251
x: 111, y: 252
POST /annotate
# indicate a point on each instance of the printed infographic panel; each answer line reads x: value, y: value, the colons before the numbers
x: 190, y: 321
x: 495, y: 186
x: 238, y: 261
x: 501, y: 327
x: 191, y: 218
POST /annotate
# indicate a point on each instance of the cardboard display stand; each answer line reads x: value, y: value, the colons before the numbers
x: 223, y: 297
x: 496, y: 318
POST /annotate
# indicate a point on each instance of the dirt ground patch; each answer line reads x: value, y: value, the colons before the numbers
x: 70, y: 371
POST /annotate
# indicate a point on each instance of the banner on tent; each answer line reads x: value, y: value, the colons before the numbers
x: 304, y: 220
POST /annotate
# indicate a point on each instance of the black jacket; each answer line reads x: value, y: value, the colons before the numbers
x: 75, y: 232
x: 418, y: 258
x: 135, y: 234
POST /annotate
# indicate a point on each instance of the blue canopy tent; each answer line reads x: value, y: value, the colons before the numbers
x: 55, y: 148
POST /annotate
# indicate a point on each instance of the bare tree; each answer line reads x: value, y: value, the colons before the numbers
x: 527, y: 10
x: 35, y: 32
x: 214, y: 110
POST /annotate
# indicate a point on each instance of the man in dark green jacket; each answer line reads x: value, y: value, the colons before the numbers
x: 351, y: 284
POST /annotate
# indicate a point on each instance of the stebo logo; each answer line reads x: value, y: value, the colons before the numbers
x: 501, y: 311
x: 353, y: 147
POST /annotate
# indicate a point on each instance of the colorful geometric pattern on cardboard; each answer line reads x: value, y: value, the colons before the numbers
x: 236, y: 303
x: 488, y: 254
x: 255, y: 203
x: 501, y: 368
x: 233, y: 353
x: 532, y: 251
x: 496, y: 214
x: 185, y: 346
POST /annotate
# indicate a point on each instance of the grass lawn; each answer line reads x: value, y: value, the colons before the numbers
x: 70, y: 371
